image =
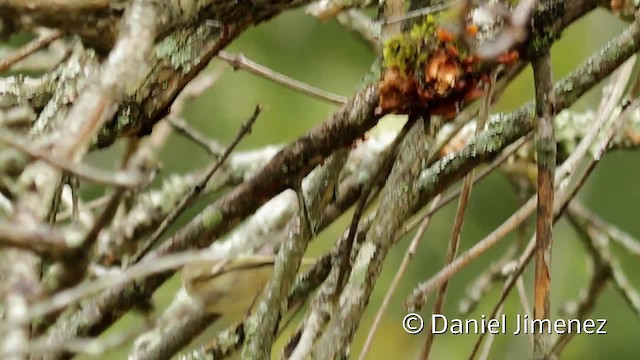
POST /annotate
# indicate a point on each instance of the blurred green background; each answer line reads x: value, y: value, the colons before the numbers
x: 327, y: 56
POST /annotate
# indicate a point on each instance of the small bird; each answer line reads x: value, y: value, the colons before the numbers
x: 229, y: 287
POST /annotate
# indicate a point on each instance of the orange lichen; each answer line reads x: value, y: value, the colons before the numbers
x: 471, y: 30
x: 452, y: 50
x: 445, y: 35
x: 430, y: 70
x: 443, y: 72
x: 509, y: 57
x: 397, y: 92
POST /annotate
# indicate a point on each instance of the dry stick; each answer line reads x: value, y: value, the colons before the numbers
x: 77, y: 260
x: 510, y: 150
x: 181, y: 127
x: 486, y: 349
x: 601, y: 273
x: 89, y: 346
x: 411, y: 250
x: 546, y: 152
x: 28, y: 49
x: 239, y: 61
x: 194, y: 89
x: 454, y: 241
x: 520, y: 286
x: 522, y: 264
x: 617, y: 235
x: 484, y: 282
x: 126, y: 179
x: 526, y: 309
x: 418, y: 298
x: 268, y: 312
x: 565, y: 194
x: 420, y: 12
x: 380, y: 173
x: 42, y: 239
x: 504, y: 155
x: 90, y: 205
x: 196, y: 190
x: 362, y: 26
x: 514, y: 279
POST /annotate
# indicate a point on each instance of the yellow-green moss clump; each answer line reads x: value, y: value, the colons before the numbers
x: 406, y: 49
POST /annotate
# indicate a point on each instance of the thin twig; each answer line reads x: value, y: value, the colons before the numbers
x: 88, y: 346
x: 564, y: 173
x: 43, y: 239
x: 380, y: 173
x: 239, y: 61
x: 420, y: 12
x: 617, y: 235
x: 182, y: 128
x: 126, y: 179
x: 91, y: 205
x: 194, y: 89
x: 511, y: 281
x: 600, y: 274
x: 566, y: 194
x: 504, y: 155
x: 524, y: 303
x: 454, y: 241
x: 31, y: 47
x: 411, y: 250
x: 196, y: 190
x: 361, y: 25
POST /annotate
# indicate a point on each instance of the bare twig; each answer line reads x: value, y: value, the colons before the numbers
x: 601, y: 272
x: 197, y: 189
x: 454, y: 241
x: 617, y: 235
x: 380, y: 174
x: 182, y: 128
x: 239, y: 61
x: 411, y: 249
x: 360, y: 24
x: 420, y: 12
x: 124, y: 179
x: 34, y: 45
x: 42, y: 240
x: 564, y: 173
x: 509, y: 283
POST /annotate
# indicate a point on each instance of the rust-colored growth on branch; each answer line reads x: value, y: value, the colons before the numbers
x: 431, y: 69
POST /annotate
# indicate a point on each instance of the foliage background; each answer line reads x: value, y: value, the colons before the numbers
x: 327, y: 56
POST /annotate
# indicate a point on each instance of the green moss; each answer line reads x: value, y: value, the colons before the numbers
x: 407, y: 49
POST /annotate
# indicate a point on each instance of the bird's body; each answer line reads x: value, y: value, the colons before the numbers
x: 230, y: 286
